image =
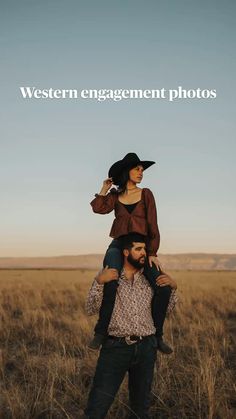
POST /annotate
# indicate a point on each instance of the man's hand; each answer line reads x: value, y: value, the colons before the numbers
x: 107, y: 275
x: 164, y: 280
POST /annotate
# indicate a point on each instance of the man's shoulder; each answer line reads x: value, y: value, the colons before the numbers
x: 143, y: 278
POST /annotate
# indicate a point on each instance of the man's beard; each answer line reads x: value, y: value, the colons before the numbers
x: 136, y: 262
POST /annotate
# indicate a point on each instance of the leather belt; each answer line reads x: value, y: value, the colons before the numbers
x: 130, y: 340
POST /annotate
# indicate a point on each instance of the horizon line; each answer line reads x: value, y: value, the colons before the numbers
x: 102, y: 254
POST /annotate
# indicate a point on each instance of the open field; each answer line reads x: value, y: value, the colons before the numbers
x: 46, y: 369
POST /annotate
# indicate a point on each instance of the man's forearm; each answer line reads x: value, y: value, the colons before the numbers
x: 94, y: 299
x: 172, y: 302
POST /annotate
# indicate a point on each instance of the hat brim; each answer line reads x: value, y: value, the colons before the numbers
x: 118, y: 167
x: 146, y: 164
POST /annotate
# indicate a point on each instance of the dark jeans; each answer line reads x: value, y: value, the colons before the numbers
x: 114, y: 259
x: 115, y: 359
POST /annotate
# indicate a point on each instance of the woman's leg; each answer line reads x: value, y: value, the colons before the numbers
x: 113, y: 259
x: 160, y: 299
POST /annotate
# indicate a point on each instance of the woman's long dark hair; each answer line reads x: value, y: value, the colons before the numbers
x: 123, y: 179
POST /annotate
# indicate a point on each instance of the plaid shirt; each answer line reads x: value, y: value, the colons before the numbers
x: 132, y: 310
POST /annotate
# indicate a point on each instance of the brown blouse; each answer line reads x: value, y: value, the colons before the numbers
x: 143, y: 218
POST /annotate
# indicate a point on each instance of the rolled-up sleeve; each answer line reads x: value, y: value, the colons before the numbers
x: 153, y: 230
x: 94, y: 298
x: 172, y: 301
x: 103, y: 204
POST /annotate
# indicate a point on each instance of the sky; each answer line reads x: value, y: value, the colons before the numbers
x: 55, y: 154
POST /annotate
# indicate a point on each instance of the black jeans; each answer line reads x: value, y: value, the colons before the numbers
x: 114, y: 259
x: 115, y: 359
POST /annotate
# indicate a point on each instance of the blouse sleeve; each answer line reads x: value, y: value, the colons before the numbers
x: 103, y: 204
x: 153, y: 230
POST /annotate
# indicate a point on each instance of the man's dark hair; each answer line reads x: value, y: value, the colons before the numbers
x: 128, y: 241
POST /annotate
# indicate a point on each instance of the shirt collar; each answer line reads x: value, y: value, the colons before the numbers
x: 136, y: 275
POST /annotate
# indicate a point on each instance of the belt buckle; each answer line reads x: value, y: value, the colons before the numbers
x: 129, y: 341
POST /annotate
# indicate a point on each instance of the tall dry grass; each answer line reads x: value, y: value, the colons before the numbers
x: 46, y: 369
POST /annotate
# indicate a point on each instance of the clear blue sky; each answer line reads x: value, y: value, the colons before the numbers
x: 55, y: 154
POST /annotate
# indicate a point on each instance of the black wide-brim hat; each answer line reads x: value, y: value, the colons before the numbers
x: 130, y: 161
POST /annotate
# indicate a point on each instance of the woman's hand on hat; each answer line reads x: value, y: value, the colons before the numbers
x: 107, y: 184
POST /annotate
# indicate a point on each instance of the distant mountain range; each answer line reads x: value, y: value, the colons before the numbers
x: 181, y: 261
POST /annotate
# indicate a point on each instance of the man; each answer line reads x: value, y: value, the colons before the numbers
x: 131, y: 345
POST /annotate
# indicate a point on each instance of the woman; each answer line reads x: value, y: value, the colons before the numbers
x: 135, y: 211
